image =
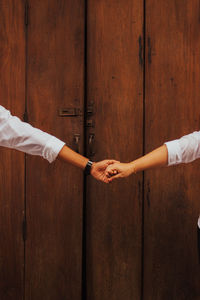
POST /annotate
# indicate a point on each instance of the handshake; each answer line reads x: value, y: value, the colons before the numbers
x: 109, y: 170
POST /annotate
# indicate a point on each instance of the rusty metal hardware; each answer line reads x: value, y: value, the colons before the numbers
x: 69, y: 112
x: 90, y: 123
x: 91, y: 141
x: 90, y: 109
x: 148, y: 194
x: 140, y: 51
x: 25, y: 117
x: 76, y: 141
x: 149, y: 50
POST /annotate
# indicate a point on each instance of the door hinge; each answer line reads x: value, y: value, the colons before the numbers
x: 24, y: 230
x: 140, y: 51
x: 148, y: 194
x: 25, y: 117
x: 91, y: 142
x: 149, y: 50
x: 26, y: 14
x: 90, y: 109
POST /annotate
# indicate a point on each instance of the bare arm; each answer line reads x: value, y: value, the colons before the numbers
x: 68, y: 155
x: 21, y: 136
x: 156, y: 158
x: 98, y: 169
x: 182, y: 150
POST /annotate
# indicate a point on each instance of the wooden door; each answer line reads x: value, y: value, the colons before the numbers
x: 42, y: 71
x: 54, y: 191
x: 12, y: 93
x: 171, y: 269
x: 115, y: 95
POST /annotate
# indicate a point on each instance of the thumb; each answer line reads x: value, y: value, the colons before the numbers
x: 112, y: 161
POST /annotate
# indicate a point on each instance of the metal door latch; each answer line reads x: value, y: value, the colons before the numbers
x: 90, y: 109
x: 90, y: 123
x: 91, y: 141
x: 76, y: 141
x: 69, y: 112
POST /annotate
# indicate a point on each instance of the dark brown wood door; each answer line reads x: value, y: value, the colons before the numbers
x: 12, y: 82
x: 171, y: 269
x: 54, y: 191
x: 42, y: 71
x: 115, y: 92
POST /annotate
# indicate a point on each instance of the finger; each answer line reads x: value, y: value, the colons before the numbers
x: 112, y: 161
x: 110, y: 179
x: 111, y: 174
x: 105, y: 179
x: 112, y: 171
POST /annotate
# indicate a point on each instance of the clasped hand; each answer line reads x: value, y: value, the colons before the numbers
x: 109, y: 170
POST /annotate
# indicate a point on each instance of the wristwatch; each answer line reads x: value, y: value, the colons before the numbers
x: 88, y: 167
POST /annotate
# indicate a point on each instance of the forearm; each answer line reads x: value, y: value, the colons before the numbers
x: 183, y: 150
x: 68, y: 155
x: 156, y: 158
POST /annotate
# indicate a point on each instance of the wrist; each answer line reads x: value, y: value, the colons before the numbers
x: 88, y: 167
x: 92, y: 168
x: 133, y: 167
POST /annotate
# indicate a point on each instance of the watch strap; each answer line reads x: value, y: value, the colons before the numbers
x: 88, y: 167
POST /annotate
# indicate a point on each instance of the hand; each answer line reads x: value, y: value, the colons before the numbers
x: 98, y: 170
x: 119, y: 170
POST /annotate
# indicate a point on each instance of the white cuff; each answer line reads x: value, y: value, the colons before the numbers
x: 174, y: 153
x: 52, y: 148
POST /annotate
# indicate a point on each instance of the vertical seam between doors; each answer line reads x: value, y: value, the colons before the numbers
x: 84, y: 229
x: 25, y: 155
x: 144, y: 145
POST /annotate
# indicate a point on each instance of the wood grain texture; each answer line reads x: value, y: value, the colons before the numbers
x: 54, y: 191
x: 12, y: 80
x: 171, y: 269
x: 115, y: 86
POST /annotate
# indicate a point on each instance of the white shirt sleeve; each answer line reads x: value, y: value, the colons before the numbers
x: 184, y: 150
x: 22, y: 136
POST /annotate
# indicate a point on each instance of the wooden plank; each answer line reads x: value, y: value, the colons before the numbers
x: 54, y: 191
x: 12, y: 80
x: 171, y: 269
x: 113, y: 212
